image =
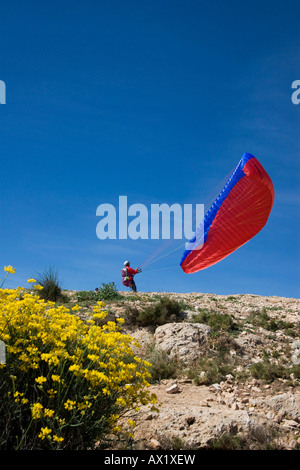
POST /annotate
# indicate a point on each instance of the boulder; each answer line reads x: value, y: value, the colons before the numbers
x: 286, y: 405
x: 183, y: 341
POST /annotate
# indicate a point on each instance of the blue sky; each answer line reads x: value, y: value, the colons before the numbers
x: 154, y: 100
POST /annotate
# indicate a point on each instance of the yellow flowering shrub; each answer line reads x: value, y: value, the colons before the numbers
x: 65, y: 382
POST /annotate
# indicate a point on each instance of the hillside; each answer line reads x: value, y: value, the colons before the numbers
x: 226, y: 369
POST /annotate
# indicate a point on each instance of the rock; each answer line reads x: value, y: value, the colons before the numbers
x: 190, y: 420
x: 154, y: 444
x: 216, y: 387
x: 150, y: 416
x: 296, y: 357
x: 289, y: 423
x: 184, y: 341
x: 173, y: 389
x: 286, y: 405
x: 229, y: 377
x: 235, y: 406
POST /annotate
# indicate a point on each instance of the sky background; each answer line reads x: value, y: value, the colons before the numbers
x: 156, y: 100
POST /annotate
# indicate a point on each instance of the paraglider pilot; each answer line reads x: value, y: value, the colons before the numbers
x: 127, y: 275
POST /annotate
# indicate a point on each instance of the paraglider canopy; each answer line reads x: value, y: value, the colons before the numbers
x: 239, y: 212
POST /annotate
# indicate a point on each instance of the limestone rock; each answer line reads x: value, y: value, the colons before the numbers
x: 173, y: 389
x: 184, y: 341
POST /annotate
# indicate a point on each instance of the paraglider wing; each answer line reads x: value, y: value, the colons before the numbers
x: 239, y: 212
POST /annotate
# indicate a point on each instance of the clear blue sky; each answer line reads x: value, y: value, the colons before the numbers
x: 155, y: 100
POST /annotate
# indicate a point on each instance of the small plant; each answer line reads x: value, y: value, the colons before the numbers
x: 162, y: 366
x: 217, y: 321
x: 209, y: 370
x: 87, y: 296
x: 217, y: 363
x: 269, y: 371
x: 231, y: 298
x: 228, y: 441
x: 50, y: 283
x: 109, y: 292
x: 177, y: 443
x: 260, y: 318
x: 164, y: 311
x: 105, y: 293
x: 257, y: 438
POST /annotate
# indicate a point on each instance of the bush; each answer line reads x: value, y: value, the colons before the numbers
x: 51, y: 288
x: 269, y: 371
x: 260, y: 318
x: 164, y: 311
x: 162, y: 366
x: 106, y: 292
x: 256, y: 438
x: 65, y: 382
x: 217, y: 321
x: 208, y: 370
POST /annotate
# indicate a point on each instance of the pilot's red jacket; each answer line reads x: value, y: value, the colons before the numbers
x: 127, y: 275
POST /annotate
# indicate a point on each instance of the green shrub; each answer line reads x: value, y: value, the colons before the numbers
x: 256, y: 438
x: 260, y: 318
x: 209, y: 370
x: 228, y: 441
x: 106, y: 292
x: 217, y: 321
x: 164, y: 311
x: 50, y: 282
x: 269, y: 371
x: 162, y: 365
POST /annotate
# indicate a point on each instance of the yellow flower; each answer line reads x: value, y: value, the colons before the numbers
x: 69, y: 405
x: 9, y: 269
x: 37, y: 410
x: 55, y: 378
x: 44, y: 433
x: 17, y: 396
x: 76, y: 308
x: 31, y: 280
x: 74, y: 368
x: 48, y: 412
x: 41, y: 379
x: 52, y: 393
x: 38, y: 287
x: 41, y: 336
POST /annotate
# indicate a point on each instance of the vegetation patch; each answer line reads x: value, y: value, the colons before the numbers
x: 162, y: 365
x: 106, y: 292
x: 268, y: 370
x: 64, y: 383
x: 51, y: 286
x: 164, y: 311
x: 261, y: 318
x: 218, y: 322
x: 257, y: 438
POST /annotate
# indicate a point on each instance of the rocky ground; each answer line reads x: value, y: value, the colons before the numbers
x: 235, y: 385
